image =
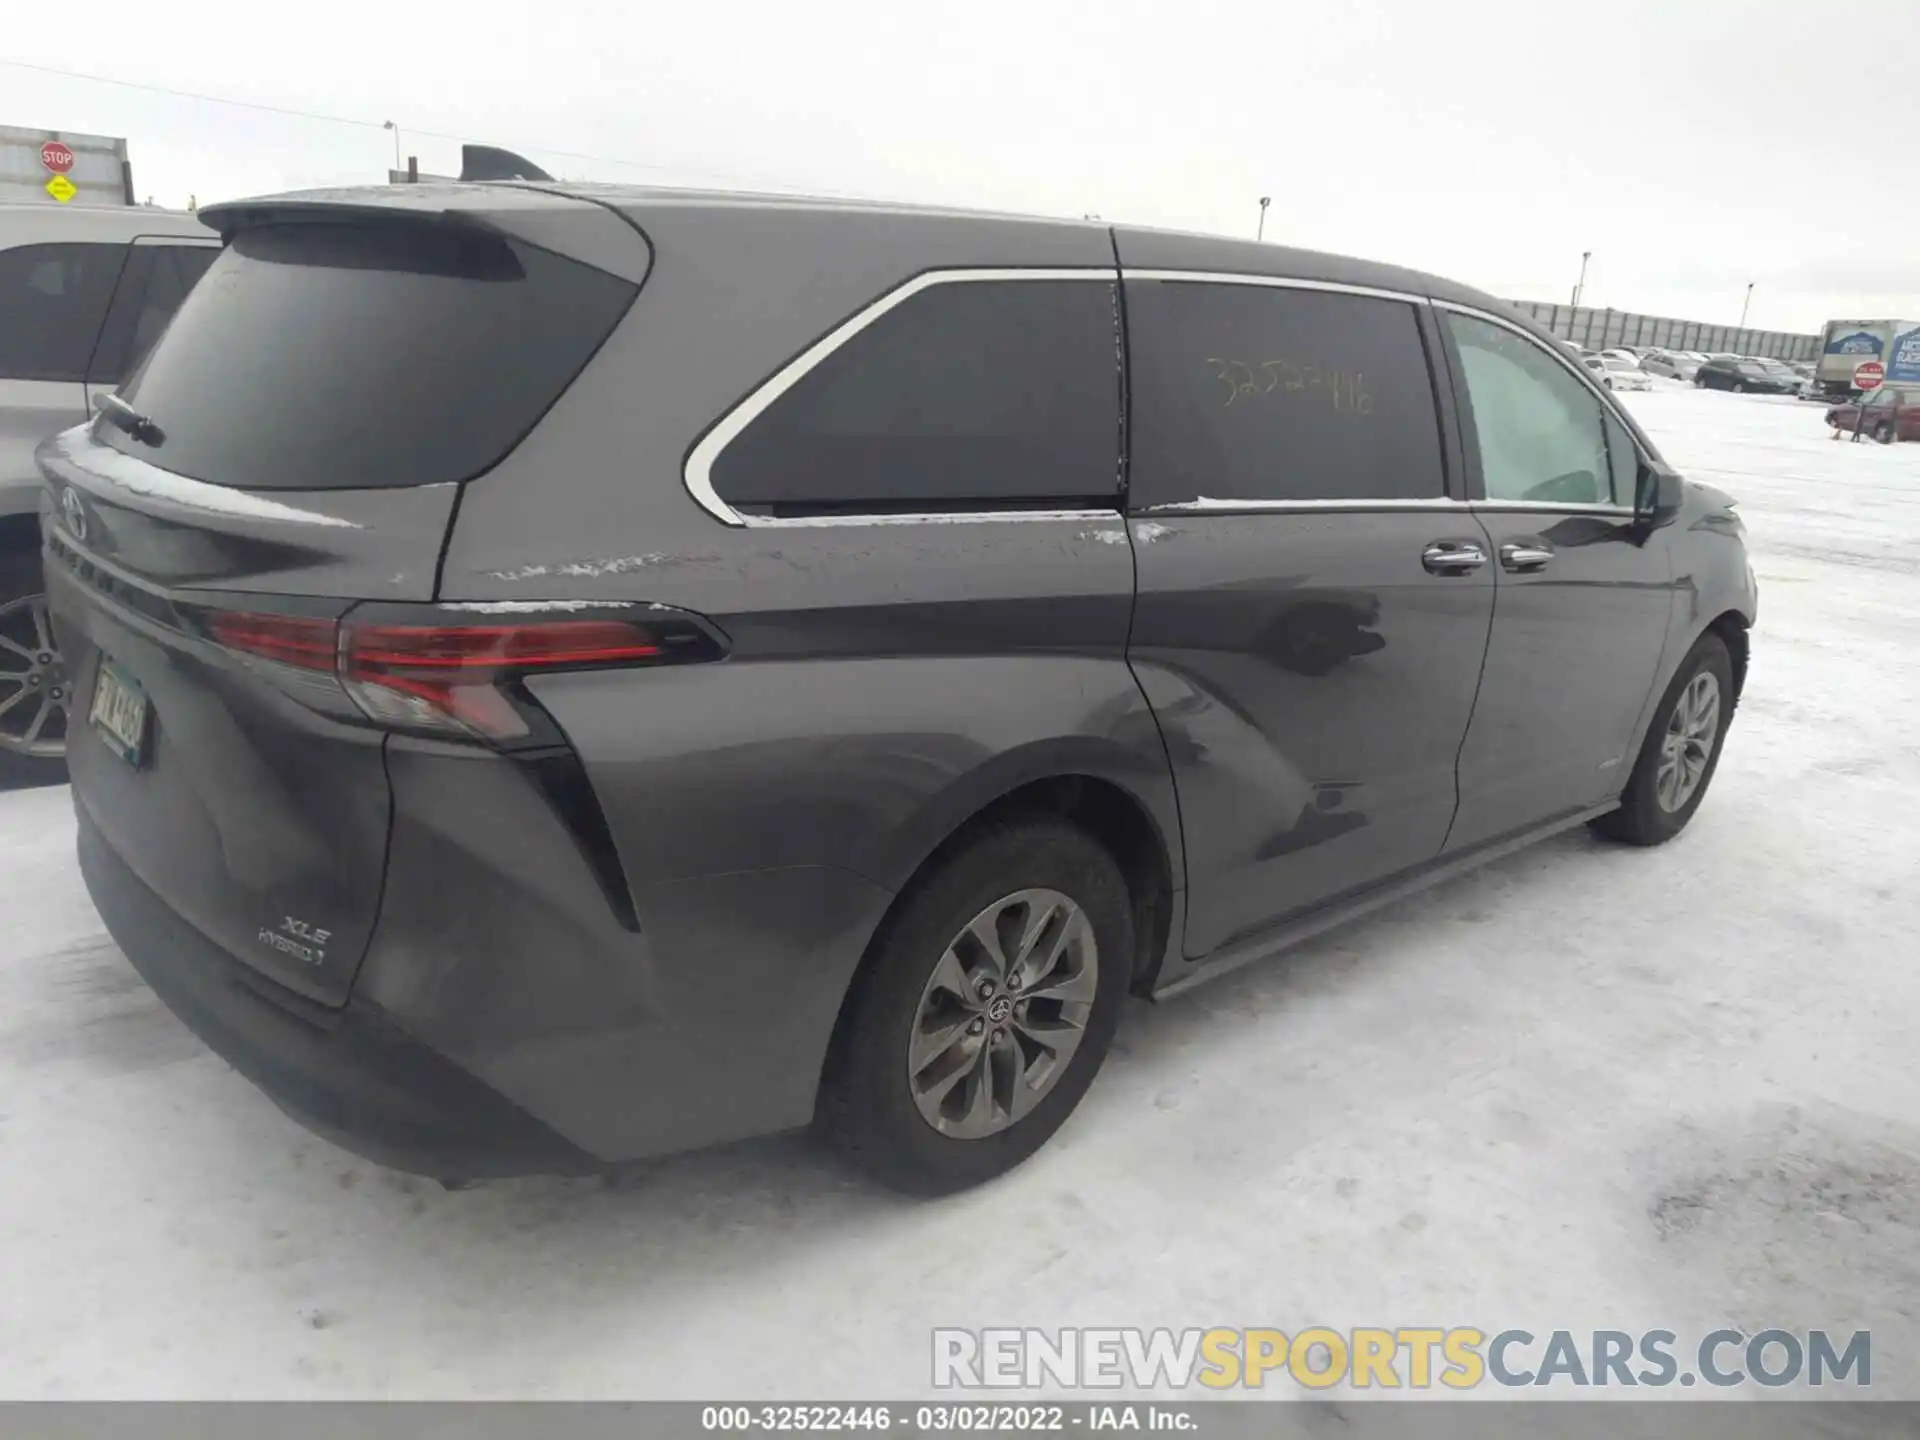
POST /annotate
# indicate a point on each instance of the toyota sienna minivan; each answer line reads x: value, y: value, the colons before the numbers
x: 567, y: 674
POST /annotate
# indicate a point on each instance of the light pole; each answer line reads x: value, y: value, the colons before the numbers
x: 389, y: 125
x: 1260, y: 232
x: 1744, y: 304
x: 1581, y: 283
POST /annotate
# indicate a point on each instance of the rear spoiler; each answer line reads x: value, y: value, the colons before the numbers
x: 479, y: 165
x: 489, y: 162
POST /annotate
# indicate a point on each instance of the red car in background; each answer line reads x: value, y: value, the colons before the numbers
x: 1891, y: 413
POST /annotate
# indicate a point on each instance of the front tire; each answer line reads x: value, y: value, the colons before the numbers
x: 983, y: 1010
x: 1681, y: 751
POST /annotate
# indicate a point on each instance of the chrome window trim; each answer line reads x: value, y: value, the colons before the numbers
x: 1207, y: 505
x: 1552, y: 507
x: 1272, y: 282
x: 929, y: 517
x: 1443, y: 504
x: 697, y: 474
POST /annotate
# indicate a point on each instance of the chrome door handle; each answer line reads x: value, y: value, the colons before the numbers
x: 1453, y: 557
x: 1520, y: 556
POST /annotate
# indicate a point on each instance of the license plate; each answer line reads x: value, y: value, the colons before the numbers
x: 119, y: 712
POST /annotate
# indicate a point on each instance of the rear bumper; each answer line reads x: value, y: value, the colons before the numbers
x: 348, y: 1074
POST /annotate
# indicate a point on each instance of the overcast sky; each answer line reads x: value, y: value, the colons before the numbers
x: 1691, y: 145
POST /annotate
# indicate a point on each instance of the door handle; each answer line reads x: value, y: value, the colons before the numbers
x: 1526, y: 555
x: 1453, y: 557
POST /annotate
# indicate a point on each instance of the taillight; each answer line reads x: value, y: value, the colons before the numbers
x: 448, y: 676
x: 452, y: 678
x: 288, y: 639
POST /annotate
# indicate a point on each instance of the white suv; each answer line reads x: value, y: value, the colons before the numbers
x: 84, y: 293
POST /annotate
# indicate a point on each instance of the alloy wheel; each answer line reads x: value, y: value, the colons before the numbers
x: 1688, y: 744
x: 1002, y: 1014
x: 34, y: 689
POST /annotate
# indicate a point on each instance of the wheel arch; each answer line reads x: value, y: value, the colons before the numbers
x: 1123, y: 801
x: 1732, y: 627
x: 1113, y: 813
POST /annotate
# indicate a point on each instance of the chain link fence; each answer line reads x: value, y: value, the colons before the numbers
x: 1603, y: 329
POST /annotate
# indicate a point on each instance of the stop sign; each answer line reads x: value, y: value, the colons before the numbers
x: 56, y: 157
x: 1868, y: 375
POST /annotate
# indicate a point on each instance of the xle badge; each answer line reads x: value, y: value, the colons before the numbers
x: 298, y: 939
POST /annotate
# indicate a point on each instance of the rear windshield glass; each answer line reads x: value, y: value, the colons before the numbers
x: 341, y: 357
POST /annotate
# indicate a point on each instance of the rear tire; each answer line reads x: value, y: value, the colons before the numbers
x: 20, y: 585
x: 875, y: 1106
x: 1884, y: 432
x: 1653, y: 810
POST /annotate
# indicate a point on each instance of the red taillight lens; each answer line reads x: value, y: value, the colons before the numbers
x: 289, y: 639
x: 430, y: 675
x: 442, y: 650
x: 447, y: 678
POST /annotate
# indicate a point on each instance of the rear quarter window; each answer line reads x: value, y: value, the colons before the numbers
x: 967, y: 395
x: 337, y: 356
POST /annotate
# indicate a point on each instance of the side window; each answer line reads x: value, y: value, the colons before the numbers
x: 1260, y: 393
x: 154, y: 283
x: 1538, y: 429
x: 968, y: 395
x: 52, y: 300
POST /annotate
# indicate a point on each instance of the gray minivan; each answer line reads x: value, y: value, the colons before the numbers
x: 84, y: 292
x: 571, y: 673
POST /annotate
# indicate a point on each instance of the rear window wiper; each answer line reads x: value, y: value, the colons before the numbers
x: 131, y: 420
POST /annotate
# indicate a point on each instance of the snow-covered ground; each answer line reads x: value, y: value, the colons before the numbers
x: 1589, y: 1086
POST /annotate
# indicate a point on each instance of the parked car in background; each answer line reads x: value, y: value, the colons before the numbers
x: 1672, y: 364
x: 1617, y: 372
x: 1788, y: 377
x: 84, y: 292
x: 1890, y: 413
x: 461, y: 765
x: 1732, y: 372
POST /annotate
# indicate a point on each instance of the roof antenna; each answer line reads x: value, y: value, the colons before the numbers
x: 489, y: 162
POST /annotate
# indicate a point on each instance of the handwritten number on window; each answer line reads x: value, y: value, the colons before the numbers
x: 1237, y: 375
x: 1345, y: 390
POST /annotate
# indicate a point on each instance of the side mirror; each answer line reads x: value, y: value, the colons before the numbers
x: 1661, y: 494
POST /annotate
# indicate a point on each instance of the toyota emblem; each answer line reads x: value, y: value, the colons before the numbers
x: 75, y: 512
